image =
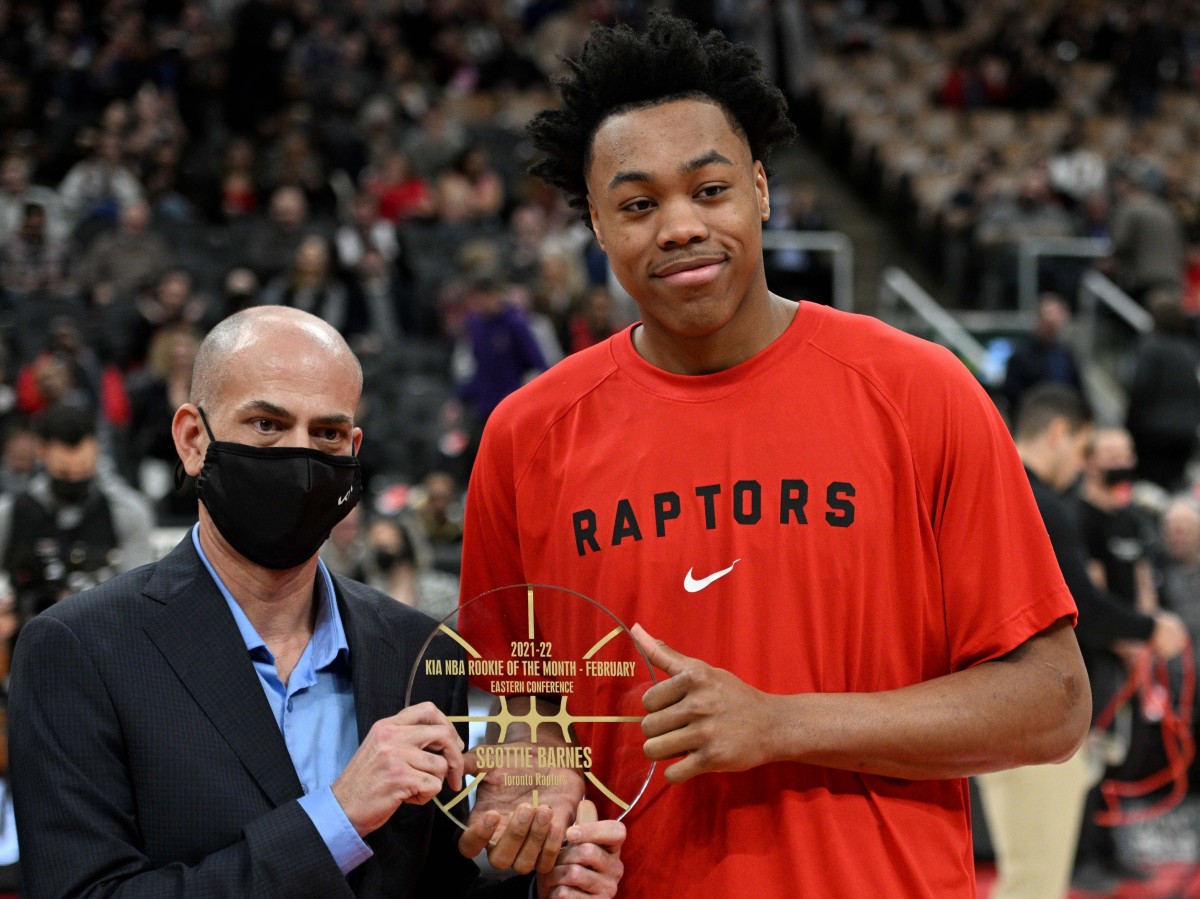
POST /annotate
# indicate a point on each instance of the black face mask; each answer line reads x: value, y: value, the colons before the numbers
x: 276, y: 504
x: 70, y: 493
x: 1114, y: 476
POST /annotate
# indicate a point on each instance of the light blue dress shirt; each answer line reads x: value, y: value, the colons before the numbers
x: 314, y: 711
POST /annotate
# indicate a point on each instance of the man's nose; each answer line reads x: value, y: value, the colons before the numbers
x: 681, y: 224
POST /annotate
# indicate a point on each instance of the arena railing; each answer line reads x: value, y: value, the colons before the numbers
x: 835, y: 243
x: 900, y: 295
x: 1030, y: 251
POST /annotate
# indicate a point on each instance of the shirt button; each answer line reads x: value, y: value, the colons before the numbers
x: 289, y: 705
x: 304, y: 787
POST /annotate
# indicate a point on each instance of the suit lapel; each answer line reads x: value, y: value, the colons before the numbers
x: 379, y: 667
x: 194, y: 630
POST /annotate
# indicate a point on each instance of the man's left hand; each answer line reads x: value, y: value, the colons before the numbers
x: 528, y: 838
x: 590, y: 865
x: 711, y: 718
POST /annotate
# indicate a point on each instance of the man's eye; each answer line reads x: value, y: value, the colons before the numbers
x: 264, y: 424
x: 712, y: 190
x: 637, y: 206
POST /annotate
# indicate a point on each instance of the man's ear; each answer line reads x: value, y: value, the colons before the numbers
x: 764, y: 193
x: 191, y: 441
x: 595, y: 224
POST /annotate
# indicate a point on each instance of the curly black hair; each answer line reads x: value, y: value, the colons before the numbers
x: 621, y: 69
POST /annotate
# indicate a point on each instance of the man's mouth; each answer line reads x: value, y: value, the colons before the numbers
x: 691, y: 271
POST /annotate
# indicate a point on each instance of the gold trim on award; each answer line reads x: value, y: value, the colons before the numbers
x: 555, y: 694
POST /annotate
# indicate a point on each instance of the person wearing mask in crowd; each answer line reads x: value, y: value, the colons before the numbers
x: 77, y: 523
x: 1034, y: 812
x: 247, y: 734
x: 823, y: 517
x: 1119, y: 540
x: 399, y: 563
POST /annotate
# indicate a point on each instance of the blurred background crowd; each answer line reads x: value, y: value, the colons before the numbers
x: 166, y: 163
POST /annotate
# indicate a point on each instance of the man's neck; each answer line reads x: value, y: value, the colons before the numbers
x: 279, y: 604
x: 734, y: 344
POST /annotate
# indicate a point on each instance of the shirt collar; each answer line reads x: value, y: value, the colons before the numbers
x: 329, y: 636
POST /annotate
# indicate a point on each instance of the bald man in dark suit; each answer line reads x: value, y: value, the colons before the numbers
x: 231, y: 720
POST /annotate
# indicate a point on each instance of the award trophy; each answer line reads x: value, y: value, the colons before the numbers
x: 556, y: 684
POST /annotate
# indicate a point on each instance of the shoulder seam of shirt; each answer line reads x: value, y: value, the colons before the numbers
x: 885, y: 395
x: 612, y: 370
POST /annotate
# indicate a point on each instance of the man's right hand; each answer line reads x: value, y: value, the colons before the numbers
x: 1170, y: 636
x: 405, y: 758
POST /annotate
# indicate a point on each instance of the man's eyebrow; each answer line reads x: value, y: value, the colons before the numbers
x: 266, y: 408
x: 712, y: 157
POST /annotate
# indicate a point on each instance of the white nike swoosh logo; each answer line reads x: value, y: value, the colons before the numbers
x: 691, y: 585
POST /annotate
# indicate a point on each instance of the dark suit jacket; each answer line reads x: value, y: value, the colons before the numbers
x: 144, y: 754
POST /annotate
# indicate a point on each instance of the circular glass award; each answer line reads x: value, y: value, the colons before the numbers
x: 554, y: 701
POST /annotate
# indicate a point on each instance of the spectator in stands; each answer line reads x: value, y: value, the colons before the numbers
x: 155, y: 123
x: 172, y: 301
x: 101, y: 184
x: 526, y: 232
x: 1119, y: 540
x: 1164, y: 395
x: 345, y: 550
x: 239, y: 289
x: 236, y: 193
x: 1004, y: 222
x: 1076, y: 171
x: 438, y: 514
x: 470, y: 189
x: 433, y: 147
x: 311, y: 284
x: 1044, y: 356
x: 120, y: 263
x: 1148, y: 240
x: 362, y: 229
x: 594, y: 321
x: 402, y: 193
x: 77, y: 524
x: 18, y: 455
x: 33, y: 263
x: 154, y: 394
x: 292, y: 161
x: 17, y: 191
x: 560, y: 283
x: 380, y: 298
x: 398, y: 563
x: 272, y: 242
x: 501, y: 351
